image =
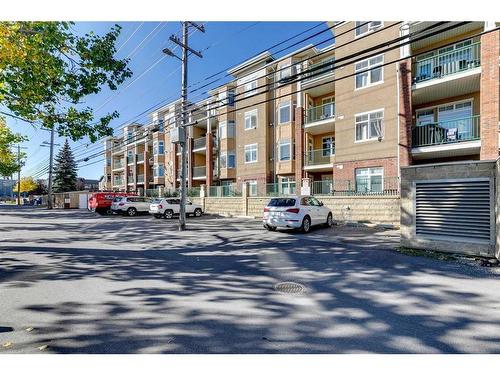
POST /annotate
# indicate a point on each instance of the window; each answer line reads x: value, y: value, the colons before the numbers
x: 369, y: 75
x: 252, y: 188
x: 227, y: 160
x: 328, y: 144
x: 226, y: 98
x: 130, y: 156
x: 284, y: 114
x: 161, y: 147
x: 130, y: 135
x: 155, y: 148
x: 287, y: 185
x: 250, y: 88
x: 285, y: 71
x: 226, y: 129
x: 363, y: 27
x: 425, y: 117
x: 251, y: 119
x: 369, y: 125
x: 284, y: 153
x: 251, y: 153
x: 159, y: 170
x: 161, y: 126
x: 369, y: 180
x: 108, y: 161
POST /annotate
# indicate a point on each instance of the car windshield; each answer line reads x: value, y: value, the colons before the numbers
x: 117, y: 199
x: 282, y: 202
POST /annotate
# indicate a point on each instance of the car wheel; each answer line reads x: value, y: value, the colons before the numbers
x: 169, y: 214
x: 131, y: 211
x: 108, y: 211
x: 197, y: 212
x: 270, y: 228
x: 306, y: 225
x: 329, y: 220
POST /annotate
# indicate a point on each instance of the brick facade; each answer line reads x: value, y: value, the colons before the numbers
x: 346, y: 170
x: 489, y: 107
x: 299, y: 147
x: 405, y: 113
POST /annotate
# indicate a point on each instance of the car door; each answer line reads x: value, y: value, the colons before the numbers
x: 315, y: 207
x: 189, y: 207
x: 175, y: 205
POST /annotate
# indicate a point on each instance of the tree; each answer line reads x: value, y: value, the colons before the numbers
x: 41, y: 187
x: 65, y: 170
x: 27, y: 185
x: 46, y: 70
x: 9, y: 163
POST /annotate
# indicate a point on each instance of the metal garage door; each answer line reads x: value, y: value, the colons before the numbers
x: 455, y: 209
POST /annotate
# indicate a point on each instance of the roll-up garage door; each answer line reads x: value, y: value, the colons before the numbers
x: 458, y: 209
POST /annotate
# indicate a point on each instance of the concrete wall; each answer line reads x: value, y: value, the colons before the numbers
x: 445, y: 171
x: 376, y: 209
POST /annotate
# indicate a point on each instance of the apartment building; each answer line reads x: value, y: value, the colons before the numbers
x: 342, y: 118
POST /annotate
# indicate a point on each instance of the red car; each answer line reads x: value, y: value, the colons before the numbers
x: 100, y: 202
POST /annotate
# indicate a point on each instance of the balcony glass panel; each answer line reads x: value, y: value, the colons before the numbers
x: 319, y: 113
x: 447, y: 132
x: 318, y: 157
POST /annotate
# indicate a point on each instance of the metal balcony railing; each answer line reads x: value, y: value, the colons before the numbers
x: 317, y: 157
x: 446, y: 132
x: 199, y: 143
x: 446, y: 63
x: 200, y: 171
x: 320, y: 113
x: 375, y: 185
x: 319, y: 69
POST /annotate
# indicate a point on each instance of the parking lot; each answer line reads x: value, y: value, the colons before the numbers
x: 75, y: 282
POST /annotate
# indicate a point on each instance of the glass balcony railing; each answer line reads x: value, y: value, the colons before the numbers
x: 320, y: 113
x: 140, y: 158
x: 446, y: 132
x: 118, y: 164
x: 317, y: 157
x: 199, y: 143
x: 447, y: 62
x: 117, y: 181
x: 319, y: 69
x: 199, y: 171
x: 140, y: 178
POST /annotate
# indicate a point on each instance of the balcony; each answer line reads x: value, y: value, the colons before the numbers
x: 140, y: 158
x: 320, y: 119
x: 319, y: 160
x: 118, y: 164
x: 199, y: 144
x: 318, y: 74
x: 117, y: 182
x: 447, y: 73
x: 447, y: 138
x: 130, y: 160
x: 357, y: 187
x: 140, y: 178
x: 199, y: 172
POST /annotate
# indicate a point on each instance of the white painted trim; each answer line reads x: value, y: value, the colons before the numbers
x: 447, y: 78
x: 368, y: 113
x: 317, y: 166
x: 446, y: 147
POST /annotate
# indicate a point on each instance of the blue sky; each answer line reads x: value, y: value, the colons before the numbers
x: 230, y: 44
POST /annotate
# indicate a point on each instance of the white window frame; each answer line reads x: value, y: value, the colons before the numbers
x: 252, y: 188
x: 250, y: 114
x: 332, y: 148
x: 369, y: 175
x: 250, y: 87
x: 155, y: 148
x: 370, y: 137
x: 369, y: 70
x: 161, y: 145
x: 226, y: 129
x: 249, y: 148
x: 282, y: 143
x: 435, y: 109
x: 156, y: 170
x: 370, y: 29
x: 286, y: 182
x: 283, y: 105
x: 228, y: 156
x: 285, y: 71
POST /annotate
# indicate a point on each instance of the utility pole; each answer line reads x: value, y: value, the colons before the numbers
x: 184, y: 115
x: 19, y: 175
x: 51, y: 158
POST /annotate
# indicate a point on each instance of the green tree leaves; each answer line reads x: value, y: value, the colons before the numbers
x: 65, y: 170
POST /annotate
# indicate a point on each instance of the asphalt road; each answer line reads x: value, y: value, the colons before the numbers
x: 75, y: 282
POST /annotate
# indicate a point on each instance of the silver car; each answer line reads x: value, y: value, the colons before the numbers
x: 130, y: 206
x: 168, y: 207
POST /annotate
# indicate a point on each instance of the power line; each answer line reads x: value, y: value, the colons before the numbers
x: 130, y: 37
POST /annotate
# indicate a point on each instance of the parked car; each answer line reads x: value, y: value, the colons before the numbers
x: 130, y: 206
x: 100, y: 202
x: 168, y: 207
x: 299, y: 212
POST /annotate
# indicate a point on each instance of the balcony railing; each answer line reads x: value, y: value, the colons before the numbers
x: 130, y: 159
x: 317, y: 157
x: 140, y: 178
x: 140, y: 158
x: 320, y: 113
x: 117, y: 181
x: 232, y: 190
x: 446, y: 63
x: 199, y: 143
x: 376, y: 185
x: 118, y: 164
x: 199, y: 171
x: 319, y: 69
x: 446, y: 132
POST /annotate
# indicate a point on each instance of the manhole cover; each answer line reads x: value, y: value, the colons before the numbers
x: 289, y: 287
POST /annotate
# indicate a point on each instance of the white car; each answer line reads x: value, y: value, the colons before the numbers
x: 168, y: 207
x: 130, y: 206
x: 299, y: 212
